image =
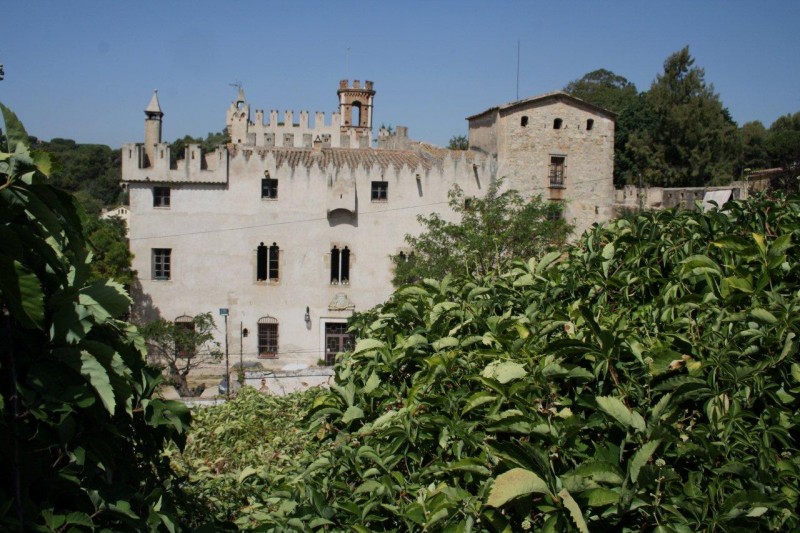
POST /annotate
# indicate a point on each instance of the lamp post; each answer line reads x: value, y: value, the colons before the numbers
x: 223, y: 311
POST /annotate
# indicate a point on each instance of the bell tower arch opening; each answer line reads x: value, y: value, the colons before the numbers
x: 355, y: 108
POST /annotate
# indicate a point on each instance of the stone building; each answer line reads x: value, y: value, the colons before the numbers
x: 290, y: 227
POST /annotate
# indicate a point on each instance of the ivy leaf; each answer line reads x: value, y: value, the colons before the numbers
x: 574, y: 510
x: 641, y: 457
x: 504, y: 371
x: 513, y: 484
x: 98, y: 377
x: 15, y: 131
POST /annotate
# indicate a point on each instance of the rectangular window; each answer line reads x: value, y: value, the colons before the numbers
x: 267, y: 338
x: 267, y: 262
x: 161, y: 196
x: 340, y: 266
x: 269, y: 189
x: 337, y: 339
x: 380, y: 191
x: 557, y: 171
x: 162, y: 263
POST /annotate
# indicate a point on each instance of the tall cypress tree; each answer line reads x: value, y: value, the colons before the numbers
x: 692, y: 141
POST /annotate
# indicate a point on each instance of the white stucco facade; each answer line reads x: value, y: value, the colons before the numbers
x: 209, y: 214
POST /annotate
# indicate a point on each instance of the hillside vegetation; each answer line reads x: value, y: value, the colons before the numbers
x: 646, y: 379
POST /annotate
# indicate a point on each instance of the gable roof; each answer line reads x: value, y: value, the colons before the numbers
x: 555, y: 96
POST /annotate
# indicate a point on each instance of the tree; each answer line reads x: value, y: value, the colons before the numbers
x: 693, y: 140
x: 109, y: 244
x: 610, y: 91
x: 179, y: 347
x: 207, y: 145
x: 753, y: 138
x: 81, y: 437
x: 458, y: 142
x: 491, y: 231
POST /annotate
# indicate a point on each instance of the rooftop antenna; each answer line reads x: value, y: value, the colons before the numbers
x: 347, y: 64
x: 237, y: 84
x: 517, y: 69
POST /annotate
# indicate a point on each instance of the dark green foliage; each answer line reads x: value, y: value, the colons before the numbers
x: 646, y: 379
x: 458, y: 142
x: 613, y: 92
x: 692, y: 141
x: 93, y: 170
x: 489, y: 232
x: 112, y: 258
x: 236, y: 449
x: 80, y: 436
x: 207, y: 145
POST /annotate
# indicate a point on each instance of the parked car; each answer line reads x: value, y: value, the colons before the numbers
x: 223, y: 384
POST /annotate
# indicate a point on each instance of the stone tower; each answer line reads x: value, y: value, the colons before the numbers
x: 152, y: 127
x: 355, y: 108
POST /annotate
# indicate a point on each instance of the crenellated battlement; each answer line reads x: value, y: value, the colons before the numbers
x: 195, y: 167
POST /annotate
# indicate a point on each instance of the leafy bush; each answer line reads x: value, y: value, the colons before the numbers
x: 236, y: 449
x: 646, y: 379
x: 80, y: 434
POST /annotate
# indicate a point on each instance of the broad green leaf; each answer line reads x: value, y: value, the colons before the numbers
x: 504, y: 371
x: 15, y: 132
x: 98, y: 378
x: 641, y: 457
x: 22, y: 293
x: 372, y: 383
x: 479, y: 398
x: 761, y: 243
x: 414, y: 340
x: 614, y: 407
x: 367, y: 345
x: 105, y: 299
x: 763, y: 315
x: 513, y: 484
x: 351, y: 414
x: 600, y: 497
x: 446, y: 342
x: 246, y: 473
x: 574, y: 510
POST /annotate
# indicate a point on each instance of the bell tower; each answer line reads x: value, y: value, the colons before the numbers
x: 355, y: 108
x: 152, y: 127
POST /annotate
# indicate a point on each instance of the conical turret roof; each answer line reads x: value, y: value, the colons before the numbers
x: 154, y: 108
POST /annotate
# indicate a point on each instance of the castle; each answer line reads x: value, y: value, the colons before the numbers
x: 290, y: 226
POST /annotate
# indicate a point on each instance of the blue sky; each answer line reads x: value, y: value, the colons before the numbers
x: 86, y: 70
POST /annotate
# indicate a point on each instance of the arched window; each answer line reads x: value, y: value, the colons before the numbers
x: 589, y: 124
x: 184, y: 336
x: 267, y: 337
x: 355, y: 113
x: 557, y: 124
x: 524, y: 121
x: 340, y: 266
x: 267, y: 262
